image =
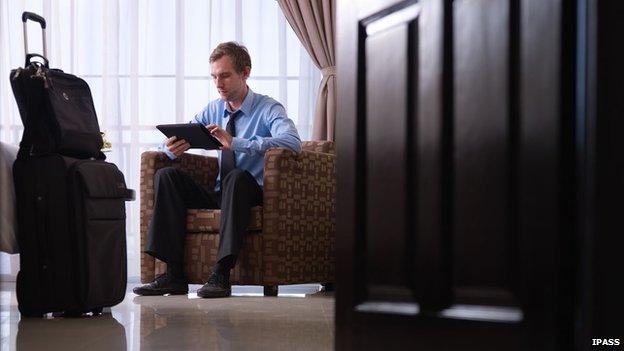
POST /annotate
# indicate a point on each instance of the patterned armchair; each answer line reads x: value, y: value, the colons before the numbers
x: 291, y: 237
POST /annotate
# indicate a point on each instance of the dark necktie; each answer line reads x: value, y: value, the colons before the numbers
x: 228, y: 160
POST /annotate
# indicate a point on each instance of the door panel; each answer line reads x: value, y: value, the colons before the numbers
x: 386, y: 156
x: 482, y: 237
x: 389, y: 101
x: 449, y: 209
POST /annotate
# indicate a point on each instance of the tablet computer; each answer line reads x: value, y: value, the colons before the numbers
x: 194, y: 133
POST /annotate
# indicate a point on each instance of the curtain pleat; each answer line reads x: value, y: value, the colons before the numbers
x: 313, y: 22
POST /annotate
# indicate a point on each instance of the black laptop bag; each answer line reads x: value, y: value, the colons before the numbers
x: 70, y: 203
x: 56, y: 108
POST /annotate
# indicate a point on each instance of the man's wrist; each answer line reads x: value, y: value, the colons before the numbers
x: 237, y: 143
x: 170, y: 154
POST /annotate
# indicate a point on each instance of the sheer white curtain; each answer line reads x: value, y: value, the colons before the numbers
x: 146, y: 62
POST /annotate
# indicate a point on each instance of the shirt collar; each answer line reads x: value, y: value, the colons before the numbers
x: 245, y: 106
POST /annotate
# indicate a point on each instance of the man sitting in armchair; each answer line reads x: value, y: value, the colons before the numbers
x: 253, y: 123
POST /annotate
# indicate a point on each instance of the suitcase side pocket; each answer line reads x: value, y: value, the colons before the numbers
x: 102, y: 233
x: 106, y: 262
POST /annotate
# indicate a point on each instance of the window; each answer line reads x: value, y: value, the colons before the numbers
x: 146, y: 62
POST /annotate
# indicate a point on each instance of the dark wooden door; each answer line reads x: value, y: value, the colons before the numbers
x: 456, y: 174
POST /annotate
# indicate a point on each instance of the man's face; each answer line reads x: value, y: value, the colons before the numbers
x: 230, y: 84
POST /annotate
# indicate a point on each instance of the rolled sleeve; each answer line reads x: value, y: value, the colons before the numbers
x: 283, y: 134
x: 240, y: 144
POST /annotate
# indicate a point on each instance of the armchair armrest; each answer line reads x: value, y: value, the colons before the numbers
x: 201, y: 168
x: 299, y: 216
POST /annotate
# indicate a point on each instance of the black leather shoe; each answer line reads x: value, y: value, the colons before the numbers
x: 162, y: 285
x: 218, y: 285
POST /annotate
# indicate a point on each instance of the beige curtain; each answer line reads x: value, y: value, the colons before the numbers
x: 313, y: 22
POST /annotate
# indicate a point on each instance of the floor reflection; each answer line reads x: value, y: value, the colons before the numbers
x: 94, y: 333
x: 300, y: 318
x: 233, y: 324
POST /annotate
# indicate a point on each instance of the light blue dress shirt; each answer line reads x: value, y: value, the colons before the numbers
x: 262, y: 124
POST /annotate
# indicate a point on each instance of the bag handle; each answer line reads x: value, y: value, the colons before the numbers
x: 36, y: 18
x: 30, y: 56
x: 33, y: 17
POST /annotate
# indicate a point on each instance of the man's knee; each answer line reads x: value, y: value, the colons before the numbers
x: 165, y: 176
x: 166, y: 172
x: 236, y: 175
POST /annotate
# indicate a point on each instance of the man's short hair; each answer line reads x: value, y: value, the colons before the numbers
x: 237, y: 52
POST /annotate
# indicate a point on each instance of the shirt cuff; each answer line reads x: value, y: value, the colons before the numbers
x: 164, y: 149
x: 239, y: 144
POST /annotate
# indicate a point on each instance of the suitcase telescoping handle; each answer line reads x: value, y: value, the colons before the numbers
x: 34, y: 17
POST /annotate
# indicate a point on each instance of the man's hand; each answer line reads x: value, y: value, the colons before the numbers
x: 224, y: 137
x: 177, y: 147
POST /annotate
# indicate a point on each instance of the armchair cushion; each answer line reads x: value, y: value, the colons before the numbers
x: 207, y: 221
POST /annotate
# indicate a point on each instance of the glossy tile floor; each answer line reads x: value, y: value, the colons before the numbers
x: 300, y: 318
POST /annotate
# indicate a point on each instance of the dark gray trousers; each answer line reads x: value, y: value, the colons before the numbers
x: 175, y: 192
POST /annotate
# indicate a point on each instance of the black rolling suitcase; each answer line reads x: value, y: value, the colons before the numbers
x: 70, y: 202
x: 71, y: 234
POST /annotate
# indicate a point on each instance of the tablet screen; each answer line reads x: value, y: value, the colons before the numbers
x: 194, y: 133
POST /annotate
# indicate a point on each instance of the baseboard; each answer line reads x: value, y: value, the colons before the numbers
x: 11, y: 278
